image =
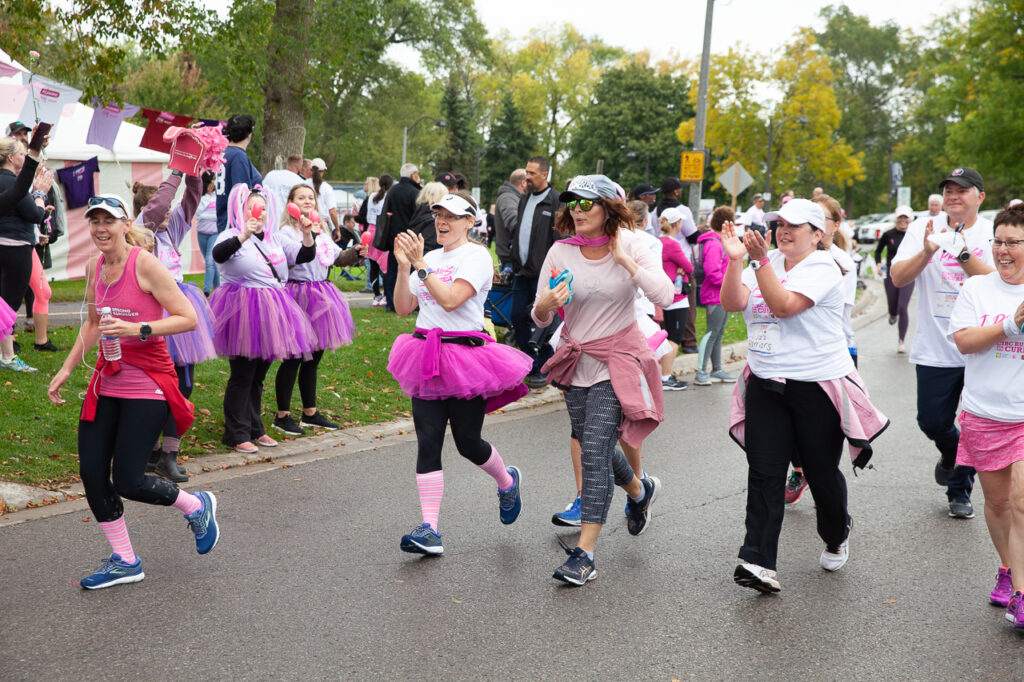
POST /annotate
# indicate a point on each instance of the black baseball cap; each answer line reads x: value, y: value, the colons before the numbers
x: 671, y: 185
x: 17, y: 127
x: 643, y: 188
x: 965, y: 177
x: 446, y: 179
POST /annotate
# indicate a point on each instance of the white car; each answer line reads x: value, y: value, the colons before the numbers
x: 871, y: 226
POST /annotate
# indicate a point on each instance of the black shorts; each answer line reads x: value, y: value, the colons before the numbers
x: 675, y: 322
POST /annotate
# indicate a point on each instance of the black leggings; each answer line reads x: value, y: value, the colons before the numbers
x: 124, y: 431
x: 185, y: 378
x: 374, y: 276
x: 15, y: 273
x: 467, y: 419
x: 284, y: 382
x: 243, y: 399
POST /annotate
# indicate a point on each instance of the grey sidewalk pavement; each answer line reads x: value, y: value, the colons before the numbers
x: 32, y: 502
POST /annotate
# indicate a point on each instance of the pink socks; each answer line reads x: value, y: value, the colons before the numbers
x: 187, y: 502
x: 431, y: 487
x: 496, y: 468
x: 117, y: 536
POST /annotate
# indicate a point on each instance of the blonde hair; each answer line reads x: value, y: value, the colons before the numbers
x: 140, y: 236
x: 639, y: 210
x: 431, y: 193
x: 372, y: 186
x: 839, y: 239
x: 9, y: 146
x: 666, y: 226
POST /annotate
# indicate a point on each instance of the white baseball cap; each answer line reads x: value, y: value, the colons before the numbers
x: 672, y: 214
x: 904, y: 211
x: 456, y: 205
x: 798, y: 212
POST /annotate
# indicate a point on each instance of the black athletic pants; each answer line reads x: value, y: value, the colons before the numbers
x: 431, y: 418
x: 243, y: 398
x: 284, y: 381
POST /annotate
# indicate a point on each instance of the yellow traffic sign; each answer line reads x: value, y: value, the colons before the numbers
x: 691, y: 168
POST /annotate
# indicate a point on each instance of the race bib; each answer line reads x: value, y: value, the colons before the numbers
x: 764, y: 338
x: 943, y: 302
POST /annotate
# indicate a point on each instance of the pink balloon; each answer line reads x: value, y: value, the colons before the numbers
x: 257, y: 211
x: 314, y: 216
x: 293, y: 210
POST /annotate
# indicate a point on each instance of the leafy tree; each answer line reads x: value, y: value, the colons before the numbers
x: 509, y: 146
x: 462, y: 131
x: 631, y: 123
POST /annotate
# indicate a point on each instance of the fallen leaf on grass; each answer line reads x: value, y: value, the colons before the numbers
x: 205, y: 412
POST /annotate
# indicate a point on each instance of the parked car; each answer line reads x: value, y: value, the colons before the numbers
x: 871, y: 226
x: 988, y: 214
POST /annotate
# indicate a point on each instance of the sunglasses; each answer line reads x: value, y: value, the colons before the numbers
x: 584, y: 204
x: 107, y: 201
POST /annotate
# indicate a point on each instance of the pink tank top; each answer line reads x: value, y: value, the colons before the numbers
x: 129, y: 302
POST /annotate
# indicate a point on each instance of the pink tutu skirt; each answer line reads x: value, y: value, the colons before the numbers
x: 259, y: 322
x: 7, y: 318
x: 328, y: 313
x: 195, y: 346
x: 988, y: 445
x: 494, y: 371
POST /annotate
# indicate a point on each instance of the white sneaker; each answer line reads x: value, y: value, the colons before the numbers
x: 757, y: 578
x: 834, y: 561
x: 900, y: 348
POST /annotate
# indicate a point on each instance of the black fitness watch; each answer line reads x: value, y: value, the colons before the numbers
x: 422, y: 273
x: 145, y: 331
x: 964, y: 256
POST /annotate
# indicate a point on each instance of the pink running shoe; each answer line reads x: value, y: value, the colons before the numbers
x: 1015, y: 610
x: 795, y: 486
x: 1003, y: 590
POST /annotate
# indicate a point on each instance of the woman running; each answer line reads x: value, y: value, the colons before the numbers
x: 898, y: 298
x: 323, y: 304
x: 796, y: 387
x: 452, y: 371
x: 132, y: 389
x: 987, y: 326
x: 255, y: 320
x: 604, y: 364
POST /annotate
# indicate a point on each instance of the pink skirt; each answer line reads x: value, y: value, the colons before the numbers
x: 259, y: 322
x: 7, y: 318
x: 328, y: 313
x: 988, y: 445
x: 493, y: 371
x: 195, y: 346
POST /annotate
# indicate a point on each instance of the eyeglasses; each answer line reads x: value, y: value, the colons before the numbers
x: 108, y: 201
x: 1012, y: 245
x: 447, y: 217
x: 584, y: 204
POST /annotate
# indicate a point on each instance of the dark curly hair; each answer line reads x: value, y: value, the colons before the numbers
x: 1011, y: 215
x: 721, y: 215
x: 617, y: 215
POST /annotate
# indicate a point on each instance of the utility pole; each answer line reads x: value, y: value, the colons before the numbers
x: 702, y: 107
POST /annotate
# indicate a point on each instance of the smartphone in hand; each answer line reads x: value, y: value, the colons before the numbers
x: 38, y: 136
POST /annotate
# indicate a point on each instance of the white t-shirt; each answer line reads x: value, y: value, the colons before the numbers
x: 849, y: 291
x: 279, y: 183
x: 994, y: 378
x: 809, y: 346
x: 470, y: 262
x: 373, y: 209
x: 937, y: 288
x: 643, y: 304
x: 753, y: 216
x: 324, y: 201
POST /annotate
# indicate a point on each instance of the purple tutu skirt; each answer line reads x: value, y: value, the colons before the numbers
x: 328, y: 313
x: 259, y: 322
x: 7, y: 318
x: 195, y: 346
x: 494, y: 371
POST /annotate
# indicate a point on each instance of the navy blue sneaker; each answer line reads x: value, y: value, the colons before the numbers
x: 203, y: 523
x: 510, y: 502
x: 577, y: 569
x: 570, y: 516
x: 113, y: 571
x: 638, y: 516
x: 422, y: 540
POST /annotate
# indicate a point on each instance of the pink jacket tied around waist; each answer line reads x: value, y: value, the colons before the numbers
x: 634, y: 372
x: 860, y: 421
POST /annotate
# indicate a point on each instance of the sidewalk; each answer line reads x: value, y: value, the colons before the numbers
x: 870, y: 306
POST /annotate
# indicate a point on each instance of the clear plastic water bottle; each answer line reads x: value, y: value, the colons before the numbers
x: 679, y: 284
x: 110, y: 346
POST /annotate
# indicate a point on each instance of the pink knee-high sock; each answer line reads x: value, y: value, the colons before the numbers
x: 496, y: 468
x: 117, y: 536
x: 187, y: 502
x: 431, y: 487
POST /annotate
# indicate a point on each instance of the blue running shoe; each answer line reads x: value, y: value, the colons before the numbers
x: 510, y: 502
x: 639, y: 515
x: 114, y: 571
x: 422, y: 540
x: 203, y: 523
x: 570, y: 516
x: 577, y: 569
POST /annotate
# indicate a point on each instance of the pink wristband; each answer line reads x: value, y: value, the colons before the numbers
x: 764, y: 261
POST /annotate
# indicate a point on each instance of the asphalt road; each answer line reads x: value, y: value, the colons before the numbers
x: 308, y: 581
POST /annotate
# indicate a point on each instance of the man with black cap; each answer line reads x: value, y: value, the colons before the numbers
x: 19, y: 131
x: 448, y: 180
x: 939, y: 253
x: 671, y: 192
x: 649, y: 195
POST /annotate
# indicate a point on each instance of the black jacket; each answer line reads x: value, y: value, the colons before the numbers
x: 20, y: 223
x: 396, y: 213
x: 542, y: 235
x: 14, y: 192
x: 423, y: 223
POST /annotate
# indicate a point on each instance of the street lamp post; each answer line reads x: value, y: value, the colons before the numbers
x: 772, y: 129
x: 406, y: 129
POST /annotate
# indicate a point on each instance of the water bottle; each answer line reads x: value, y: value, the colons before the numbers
x: 110, y: 346
x: 679, y: 284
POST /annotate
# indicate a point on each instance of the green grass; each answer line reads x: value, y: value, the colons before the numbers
x: 735, y: 328
x: 38, y: 440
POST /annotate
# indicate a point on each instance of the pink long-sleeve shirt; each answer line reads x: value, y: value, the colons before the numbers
x: 603, y: 293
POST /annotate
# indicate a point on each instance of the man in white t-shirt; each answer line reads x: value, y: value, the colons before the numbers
x: 280, y: 182
x: 939, y: 254
x: 754, y: 217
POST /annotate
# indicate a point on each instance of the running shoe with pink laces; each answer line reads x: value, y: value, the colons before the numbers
x: 1015, y: 610
x: 1003, y: 590
x: 795, y: 487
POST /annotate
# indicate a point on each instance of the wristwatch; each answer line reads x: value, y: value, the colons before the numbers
x: 145, y: 331
x: 422, y: 273
x: 757, y: 264
x: 964, y: 255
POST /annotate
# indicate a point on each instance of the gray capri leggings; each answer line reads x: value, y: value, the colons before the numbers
x: 595, y: 414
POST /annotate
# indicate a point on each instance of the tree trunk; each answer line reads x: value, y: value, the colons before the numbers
x: 284, y: 114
